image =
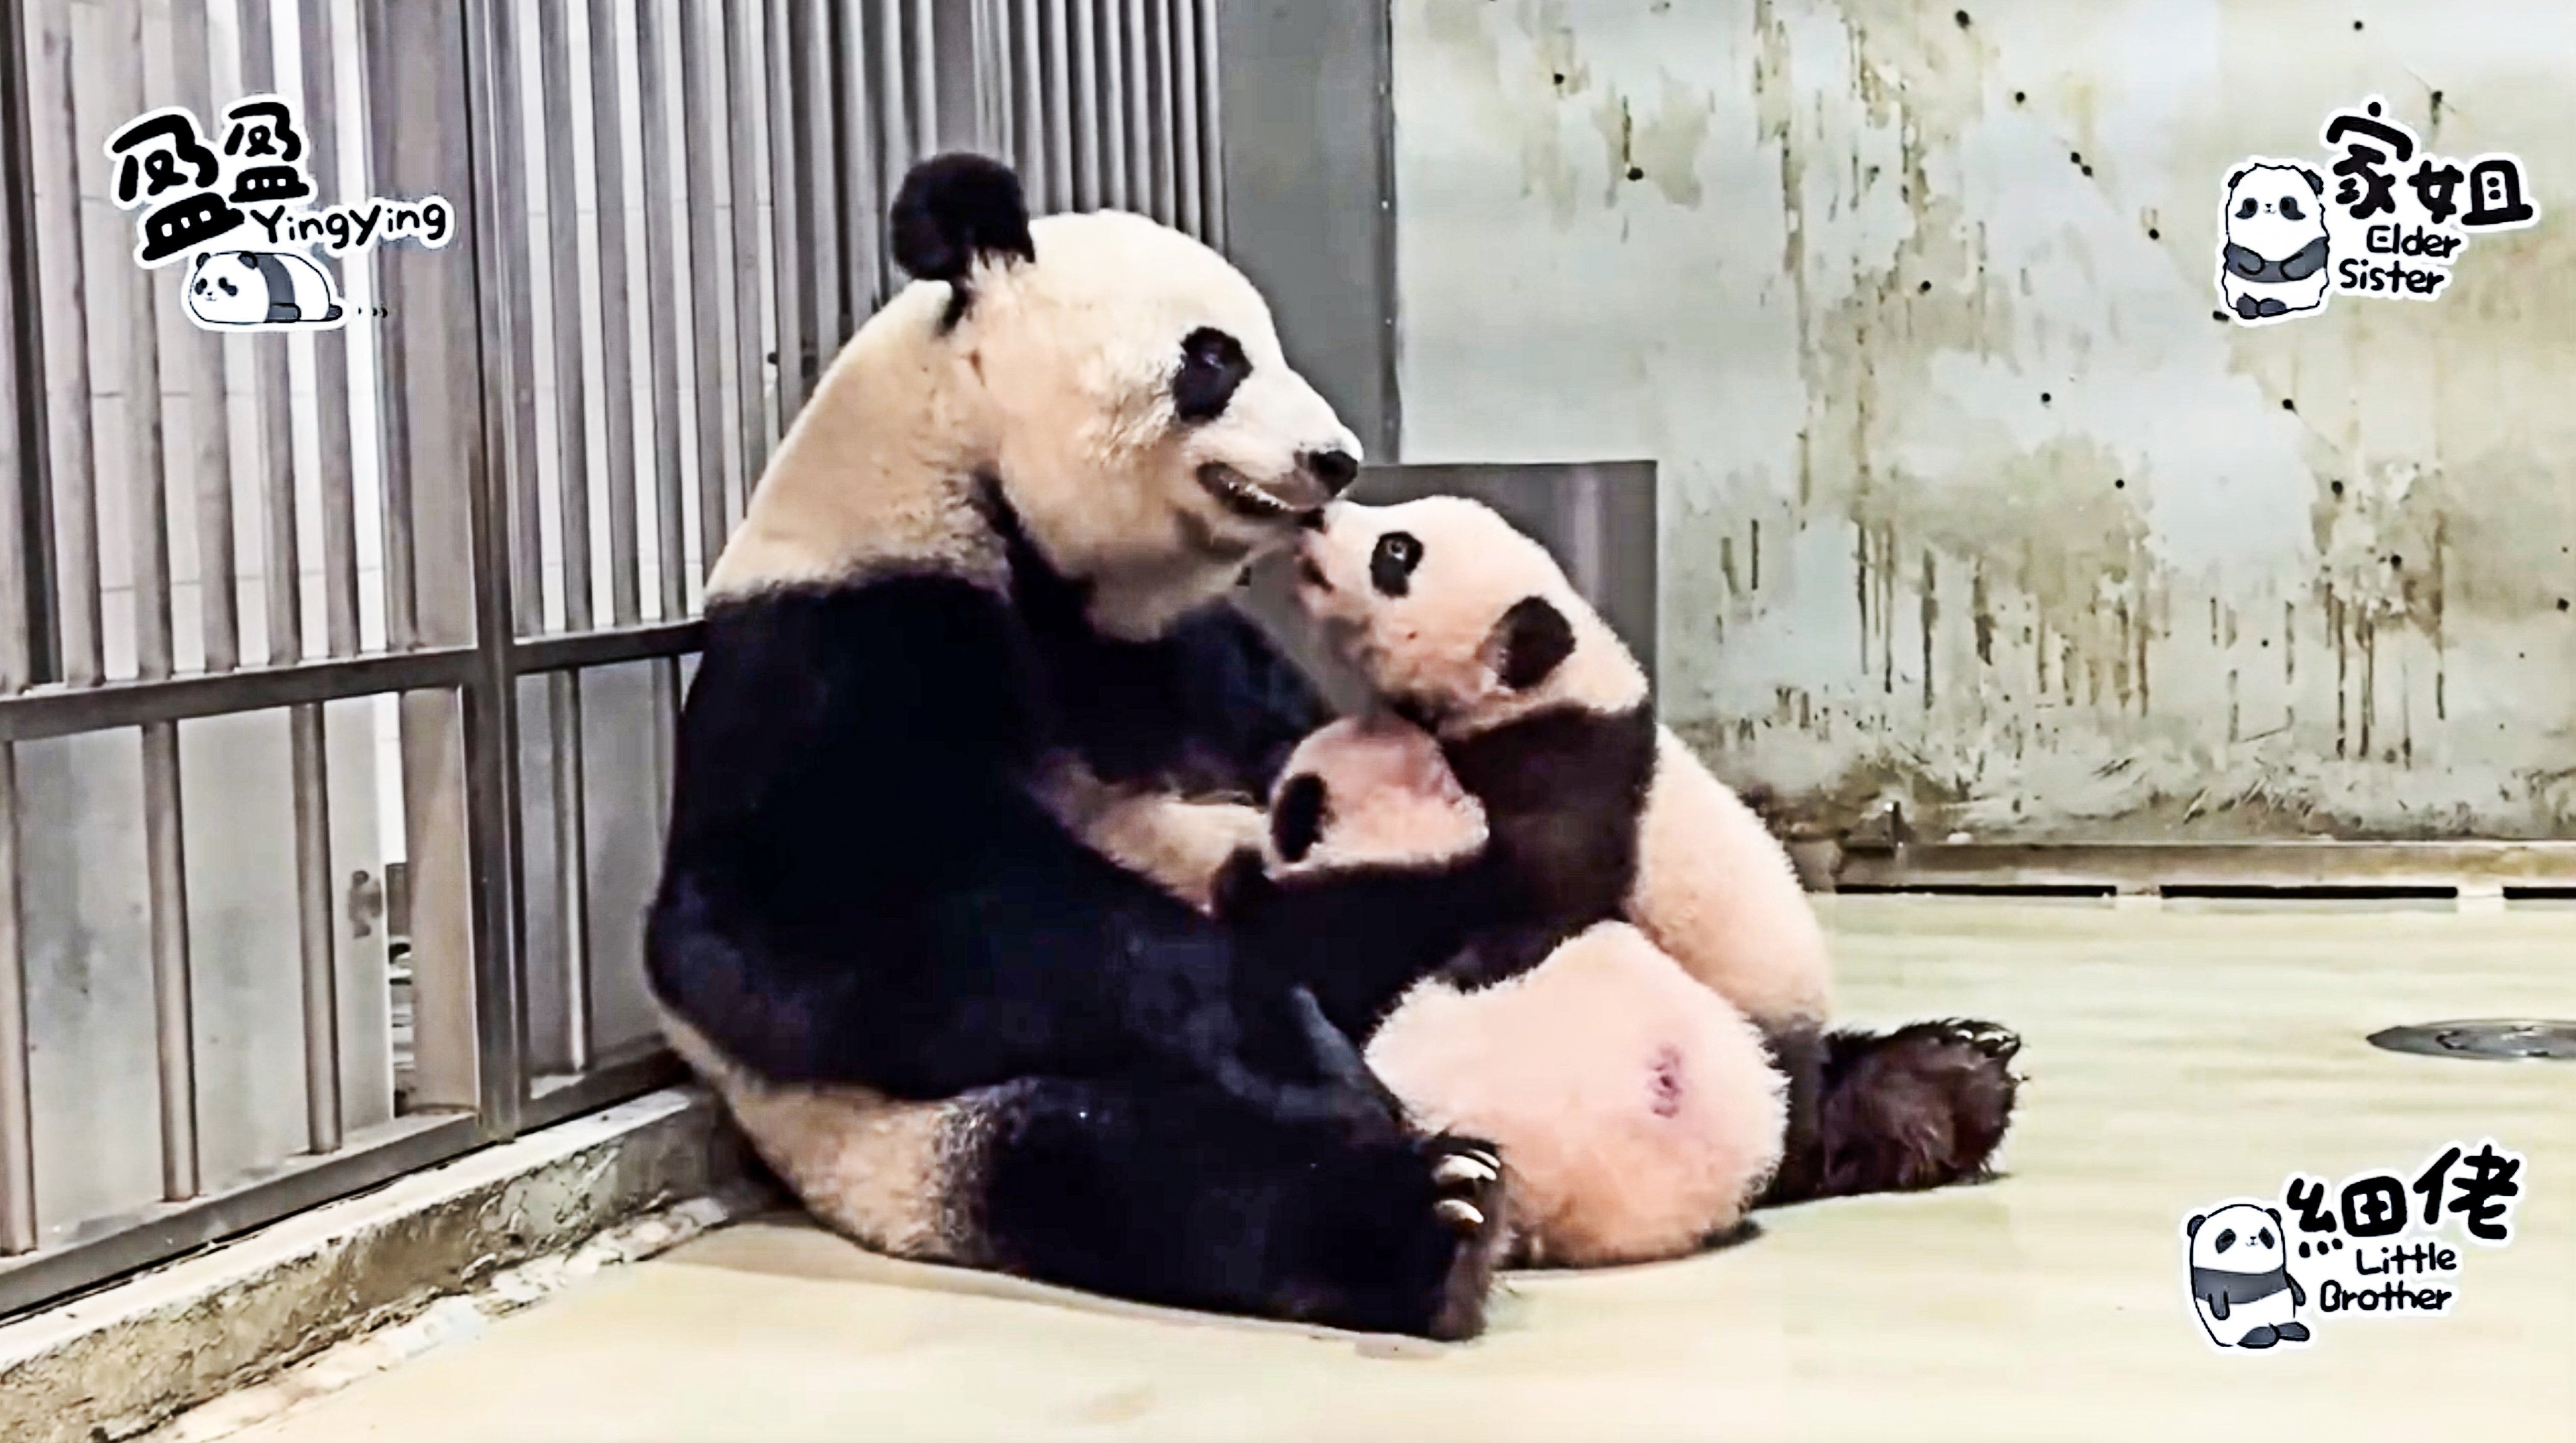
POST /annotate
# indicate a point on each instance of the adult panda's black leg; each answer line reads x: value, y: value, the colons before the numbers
x: 1798, y: 1050
x: 1182, y: 1195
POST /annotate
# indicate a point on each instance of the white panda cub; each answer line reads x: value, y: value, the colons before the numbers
x: 2273, y: 248
x: 1469, y: 628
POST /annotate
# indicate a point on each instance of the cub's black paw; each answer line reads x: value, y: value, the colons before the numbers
x: 1469, y: 1206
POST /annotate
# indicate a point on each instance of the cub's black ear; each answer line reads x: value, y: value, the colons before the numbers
x: 2233, y: 179
x: 1297, y: 818
x: 2192, y: 1229
x: 954, y: 208
x: 2315, y: 181
x: 1531, y: 641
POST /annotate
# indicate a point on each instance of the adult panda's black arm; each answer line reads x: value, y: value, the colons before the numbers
x: 859, y: 888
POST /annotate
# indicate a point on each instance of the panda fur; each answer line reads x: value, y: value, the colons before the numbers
x: 1597, y: 810
x: 958, y: 1029
x: 1639, y: 1112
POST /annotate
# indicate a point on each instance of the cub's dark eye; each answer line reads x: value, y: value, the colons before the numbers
x: 1212, y: 366
x: 2264, y: 1237
x: 2246, y: 211
x: 1391, y: 564
x: 2226, y: 1239
x: 2290, y: 207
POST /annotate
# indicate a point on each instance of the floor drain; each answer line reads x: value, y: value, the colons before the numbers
x: 2554, y: 1041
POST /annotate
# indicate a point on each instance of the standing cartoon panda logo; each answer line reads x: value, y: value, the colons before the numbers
x: 2273, y: 245
x: 261, y: 290
x: 2240, y: 1278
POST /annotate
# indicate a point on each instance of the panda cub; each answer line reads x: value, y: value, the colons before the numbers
x: 1596, y: 810
x: 1638, y: 1110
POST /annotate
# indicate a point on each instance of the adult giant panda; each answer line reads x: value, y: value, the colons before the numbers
x: 983, y: 575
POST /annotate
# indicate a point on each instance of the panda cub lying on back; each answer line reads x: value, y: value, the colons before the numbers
x: 1595, y: 811
x: 1637, y: 1110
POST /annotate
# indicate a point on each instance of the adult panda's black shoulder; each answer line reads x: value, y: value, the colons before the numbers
x: 992, y: 552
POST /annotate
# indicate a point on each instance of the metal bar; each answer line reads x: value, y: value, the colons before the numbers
x: 1114, y: 112
x: 1058, y: 90
x: 173, y: 1009
x: 32, y: 536
x: 563, y: 238
x: 1211, y: 124
x: 323, y: 1116
x: 116, y: 1246
x: 1084, y: 86
x: 599, y: 648
x: 922, y: 59
x: 1163, y: 132
x: 61, y: 712
x: 702, y: 138
x: 611, y: 1080
x: 1187, y: 158
x: 2153, y: 866
x: 572, y: 864
x: 746, y: 163
x: 272, y: 390
x: 515, y: 258
x: 896, y: 142
x: 179, y: 35
x: 788, y: 179
x: 134, y: 294
x: 826, y: 175
x: 17, y: 1107
x: 616, y: 333
x: 58, y: 156
x: 661, y: 278
x: 19, y: 545
x: 384, y: 71
x: 337, y: 451
x: 1027, y: 50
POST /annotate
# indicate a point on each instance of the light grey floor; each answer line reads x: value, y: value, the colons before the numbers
x: 2178, y: 1058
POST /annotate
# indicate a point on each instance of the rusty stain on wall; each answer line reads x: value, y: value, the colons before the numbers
x: 1971, y: 501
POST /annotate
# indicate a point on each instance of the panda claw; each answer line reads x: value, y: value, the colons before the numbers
x: 1464, y: 1167
x: 1459, y: 1213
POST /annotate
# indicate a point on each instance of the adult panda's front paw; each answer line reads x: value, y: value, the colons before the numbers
x: 1471, y: 1208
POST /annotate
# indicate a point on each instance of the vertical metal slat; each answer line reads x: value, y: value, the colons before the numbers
x: 323, y: 1114
x: 1186, y: 65
x: 825, y: 175
x: 1162, y: 137
x: 563, y: 236
x: 17, y: 1107
x: 200, y: 363
x: 337, y: 452
x: 572, y: 858
x: 922, y: 82
x: 1114, y: 76
x: 702, y: 133
x: 173, y: 1006
x: 133, y: 293
x: 523, y: 534
x: 746, y: 163
x: 788, y: 182
x: 1058, y: 89
x: 661, y: 279
x: 616, y: 353
x: 64, y: 313
x: 1211, y: 125
x: 384, y: 72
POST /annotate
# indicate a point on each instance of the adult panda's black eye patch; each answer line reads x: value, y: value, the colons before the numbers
x: 1391, y: 562
x: 1212, y: 367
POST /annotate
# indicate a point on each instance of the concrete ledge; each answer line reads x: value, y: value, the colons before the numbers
x: 120, y: 1361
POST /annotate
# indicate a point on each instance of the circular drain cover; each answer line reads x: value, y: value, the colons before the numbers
x: 2555, y: 1041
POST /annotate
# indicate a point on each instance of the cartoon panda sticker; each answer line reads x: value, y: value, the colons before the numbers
x: 2273, y: 244
x: 252, y: 290
x: 2241, y: 1286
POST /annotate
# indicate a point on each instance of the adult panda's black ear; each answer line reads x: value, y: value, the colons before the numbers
x: 954, y: 209
x: 1531, y: 641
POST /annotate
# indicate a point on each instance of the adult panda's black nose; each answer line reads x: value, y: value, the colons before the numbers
x: 1336, y: 469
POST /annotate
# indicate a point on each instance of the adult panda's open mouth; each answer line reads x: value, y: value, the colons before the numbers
x: 1244, y: 497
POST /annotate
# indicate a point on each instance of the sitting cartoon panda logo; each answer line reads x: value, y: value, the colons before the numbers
x: 2240, y: 1278
x: 2273, y: 246
x: 261, y: 290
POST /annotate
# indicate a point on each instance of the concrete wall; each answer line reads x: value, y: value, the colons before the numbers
x: 1970, y: 498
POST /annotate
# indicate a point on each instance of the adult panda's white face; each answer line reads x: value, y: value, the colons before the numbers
x: 1149, y: 431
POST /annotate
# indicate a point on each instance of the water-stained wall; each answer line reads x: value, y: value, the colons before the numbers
x: 1972, y: 497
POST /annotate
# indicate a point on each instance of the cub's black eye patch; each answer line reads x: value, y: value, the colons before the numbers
x: 2226, y: 1239
x: 1391, y: 563
x: 2246, y: 210
x: 2290, y: 207
x: 1212, y: 366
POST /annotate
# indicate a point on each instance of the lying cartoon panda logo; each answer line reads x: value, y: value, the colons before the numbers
x: 2240, y: 1278
x: 261, y: 290
x: 2273, y: 245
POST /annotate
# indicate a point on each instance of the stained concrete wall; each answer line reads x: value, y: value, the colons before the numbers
x: 1970, y: 499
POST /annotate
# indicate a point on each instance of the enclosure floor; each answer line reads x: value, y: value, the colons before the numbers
x: 2177, y: 1058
